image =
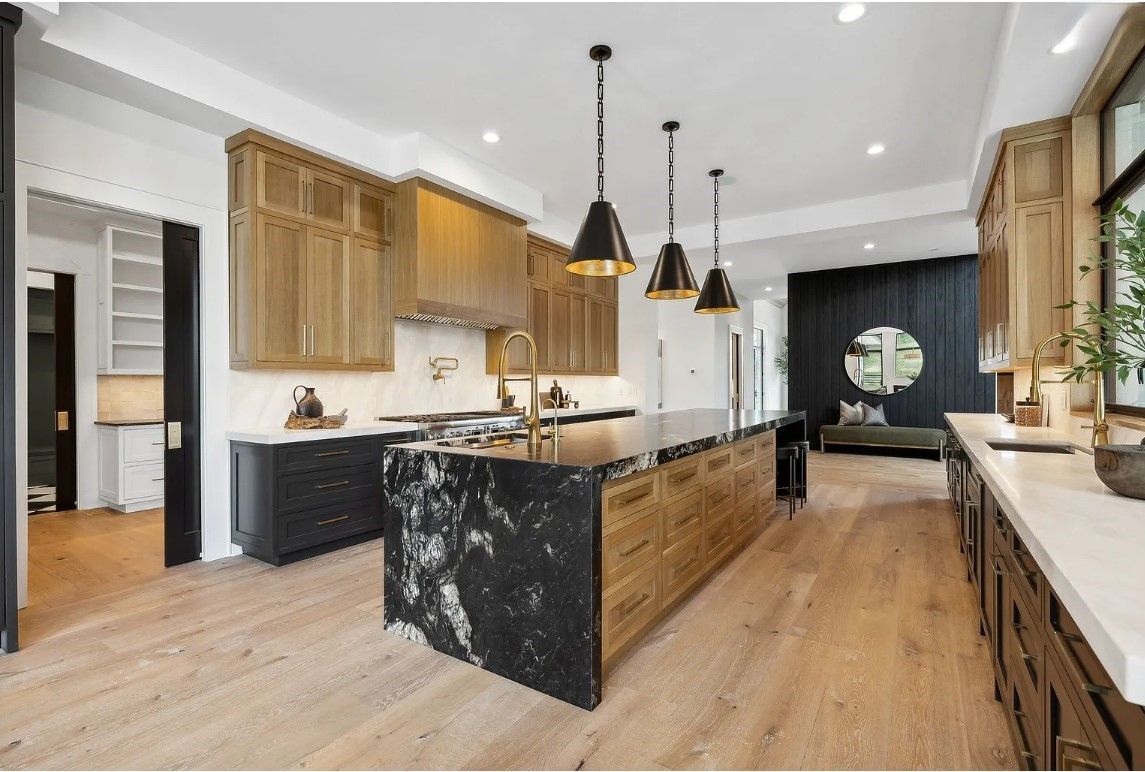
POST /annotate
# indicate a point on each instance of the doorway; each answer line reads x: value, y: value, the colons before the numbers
x: 735, y: 367
x: 113, y: 486
x: 758, y: 352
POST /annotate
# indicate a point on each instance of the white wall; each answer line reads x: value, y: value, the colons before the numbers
x: 689, y: 355
x: 773, y: 320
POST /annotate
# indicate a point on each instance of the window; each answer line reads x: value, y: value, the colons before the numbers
x: 1123, y: 176
x: 908, y: 356
x: 872, y: 362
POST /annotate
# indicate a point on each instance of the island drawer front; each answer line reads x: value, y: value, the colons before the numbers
x: 681, y: 567
x: 1021, y: 705
x: 628, y: 548
x: 746, y: 485
x: 767, y: 500
x: 1026, y: 651
x: 765, y: 445
x: 318, y: 489
x: 628, y: 607
x: 630, y: 496
x: 719, y: 539
x: 745, y: 518
x: 766, y: 466
x: 1120, y: 724
x: 682, y: 519
x: 682, y: 476
x: 313, y: 527
x: 744, y: 452
x: 719, y: 496
x: 717, y: 463
x: 1027, y: 576
x: 326, y: 455
x: 1073, y: 743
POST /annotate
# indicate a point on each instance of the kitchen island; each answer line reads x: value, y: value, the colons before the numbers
x: 546, y: 567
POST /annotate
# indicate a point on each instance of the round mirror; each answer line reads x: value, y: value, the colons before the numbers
x: 883, y: 360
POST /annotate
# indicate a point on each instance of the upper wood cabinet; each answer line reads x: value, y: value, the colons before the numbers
x: 1025, y: 254
x: 311, y: 260
x: 457, y: 260
x: 573, y: 319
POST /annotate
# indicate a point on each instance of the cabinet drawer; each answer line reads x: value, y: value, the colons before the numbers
x: 765, y: 445
x: 745, y: 518
x: 1072, y: 740
x: 681, y: 476
x: 143, y: 482
x: 681, y: 567
x: 329, y: 486
x: 1020, y: 706
x: 1120, y: 725
x: 1026, y: 651
x: 630, y: 495
x: 314, y: 527
x: 717, y: 463
x: 326, y: 455
x: 719, y: 538
x: 719, y: 497
x: 142, y: 444
x: 766, y: 505
x: 746, y: 485
x: 628, y: 607
x: 765, y: 463
x: 682, y: 519
x: 744, y: 452
x: 1028, y: 577
x: 630, y: 547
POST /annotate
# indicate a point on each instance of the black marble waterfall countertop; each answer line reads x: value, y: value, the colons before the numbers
x: 624, y: 446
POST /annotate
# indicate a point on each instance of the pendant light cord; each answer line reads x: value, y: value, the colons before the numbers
x: 600, y: 130
x: 671, y: 187
x: 716, y: 218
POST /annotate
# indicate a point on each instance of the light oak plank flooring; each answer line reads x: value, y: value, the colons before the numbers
x: 845, y: 638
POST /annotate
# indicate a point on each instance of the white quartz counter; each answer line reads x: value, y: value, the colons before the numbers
x: 1088, y: 541
x: 276, y: 435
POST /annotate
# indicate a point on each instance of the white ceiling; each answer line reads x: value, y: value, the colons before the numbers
x: 778, y: 94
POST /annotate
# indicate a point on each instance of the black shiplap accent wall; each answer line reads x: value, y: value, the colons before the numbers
x: 935, y: 300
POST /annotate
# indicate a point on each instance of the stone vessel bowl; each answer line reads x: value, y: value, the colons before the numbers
x: 1121, y: 468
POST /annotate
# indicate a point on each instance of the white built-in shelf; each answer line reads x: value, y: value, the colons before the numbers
x: 131, y: 302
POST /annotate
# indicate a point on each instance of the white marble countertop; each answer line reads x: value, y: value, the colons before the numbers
x: 1088, y: 540
x: 277, y: 435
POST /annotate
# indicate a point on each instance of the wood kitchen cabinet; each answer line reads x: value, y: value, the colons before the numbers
x: 1025, y: 255
x: 311, y: 260
x: 574, y: 319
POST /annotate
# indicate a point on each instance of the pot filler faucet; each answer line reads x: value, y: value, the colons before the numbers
x: 1100, y: 426
x: 533, y: 421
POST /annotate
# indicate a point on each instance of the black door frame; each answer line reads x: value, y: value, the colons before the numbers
x: 10, y: 17
x: 65, y: 328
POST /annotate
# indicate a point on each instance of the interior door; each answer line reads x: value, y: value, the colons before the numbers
x: 735, y: 370
x: 327, y: 310
x: 65, y: 324
x: 182, y: 521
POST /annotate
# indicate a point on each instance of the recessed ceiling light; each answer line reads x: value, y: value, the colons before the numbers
x: 850, y: 12
x: 767, y: 289
x: 876, y: 148
x: 727, y: 264
x: 1068, y: 43
x: 869, y: 245
x: 491, y: 137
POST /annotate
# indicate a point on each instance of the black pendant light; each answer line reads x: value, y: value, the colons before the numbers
x: 716, y: 297
x: 600, y: 248
x: 672, y: 278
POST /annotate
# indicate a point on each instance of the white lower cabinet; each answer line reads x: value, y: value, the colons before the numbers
x: 131, y: 467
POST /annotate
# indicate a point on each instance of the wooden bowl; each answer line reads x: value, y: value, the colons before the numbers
x: 1121, y: 468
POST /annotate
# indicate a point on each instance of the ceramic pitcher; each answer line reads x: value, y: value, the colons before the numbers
x: 309, y: 406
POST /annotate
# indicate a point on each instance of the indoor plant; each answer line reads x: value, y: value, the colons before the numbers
x: 1112, y: 338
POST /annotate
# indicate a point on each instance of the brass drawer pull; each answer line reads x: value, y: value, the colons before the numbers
x: 628, y: 608
x: 720, y: 499
x: 1066, y: 761
x: 626, y: 500
x: 718, y: 462
x: 1092, y: 688
x: 643, y: 543
x: 328, y: 453
x: 680, y: 569
x: 686, y: 520
x: 327, y: 486
x: 681, y: 476
x: 337, y: 519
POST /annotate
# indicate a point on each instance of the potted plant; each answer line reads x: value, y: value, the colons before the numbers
x: 781, y: 360
x: 1112, y: 339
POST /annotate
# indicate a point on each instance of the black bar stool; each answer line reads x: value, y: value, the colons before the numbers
x: 801, y: 470
x: 788, y: 453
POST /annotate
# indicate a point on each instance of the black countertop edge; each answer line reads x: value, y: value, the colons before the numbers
x: 612, y: 468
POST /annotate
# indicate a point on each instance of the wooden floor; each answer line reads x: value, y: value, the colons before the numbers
x: 845, y: 638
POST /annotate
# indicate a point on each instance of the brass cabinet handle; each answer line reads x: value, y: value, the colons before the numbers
x: 626, y: 500
x: 302, y: 345
x: 643, y: 543
x: 1066, y: 638
x: 680, y: 477
x: 157, y: 443
x: 686, y: 520
x: 1025, y: 655
x: 718, y: 462
x: 326, y: 486
x: 627, y: 609
x: 337, y: 519
x: 1066, y: 761
x: 327, y: 453
x: 681, y: 568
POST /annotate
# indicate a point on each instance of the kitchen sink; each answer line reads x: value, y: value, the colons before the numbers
x: 484, y: 441
x: 1031, y: 447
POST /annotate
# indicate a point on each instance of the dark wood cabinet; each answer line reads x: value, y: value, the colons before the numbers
x: 294, y: 501
x: 1062, y: 708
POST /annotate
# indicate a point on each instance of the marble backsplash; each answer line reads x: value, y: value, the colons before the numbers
x: 261, y: 398
x: 129, y: 397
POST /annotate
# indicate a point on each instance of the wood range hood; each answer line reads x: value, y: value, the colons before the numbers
x: 457, y: 261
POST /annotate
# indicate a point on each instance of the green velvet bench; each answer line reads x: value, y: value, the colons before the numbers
x: 912, y: 437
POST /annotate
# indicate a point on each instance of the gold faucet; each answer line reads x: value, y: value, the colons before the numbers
x: 556, y: 426
x: 533, y: 420
x: 1100, y: 426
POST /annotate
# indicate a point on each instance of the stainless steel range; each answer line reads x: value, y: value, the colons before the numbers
x: 437, y: 426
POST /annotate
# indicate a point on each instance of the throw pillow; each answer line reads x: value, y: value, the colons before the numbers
x: 850, y: 415
x: 874, y: 416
